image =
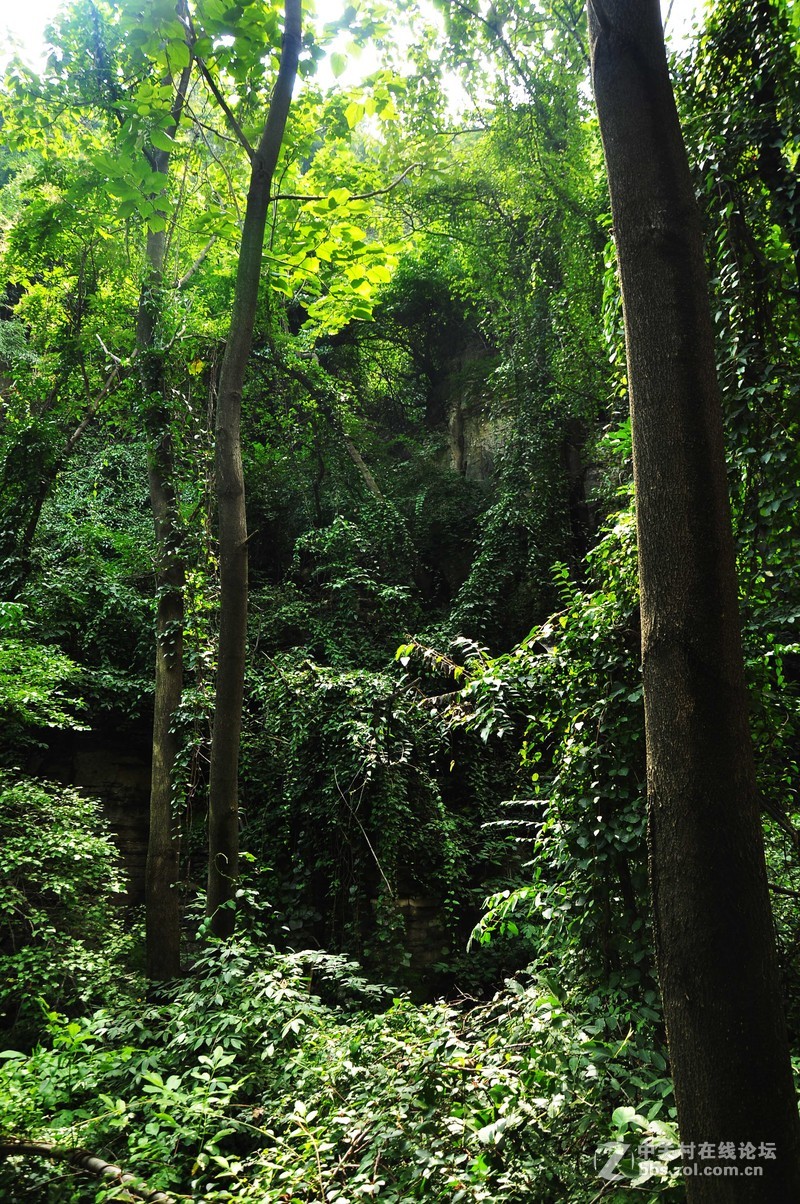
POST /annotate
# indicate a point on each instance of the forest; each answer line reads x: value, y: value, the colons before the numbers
x: 400, y: 604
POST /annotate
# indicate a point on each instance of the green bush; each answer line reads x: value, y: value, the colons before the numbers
x: 37, y: 684
x: 573, y: 690
x: 58, y: 879
x: 353, y: 801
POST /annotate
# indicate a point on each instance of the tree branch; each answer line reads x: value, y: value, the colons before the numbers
x: 321, y: 395
x: 495, y: 32
x: 195, y: 267
x: 134, y: 1188
x: 181, y: 91
x: 223, y: 104
x: 113, y: 380
x: 358, y: 196
x: 784, y: 890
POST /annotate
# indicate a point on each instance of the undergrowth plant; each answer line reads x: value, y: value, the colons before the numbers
x: 285, y: 1077
x: 571, y: 694
x: 61, y: 931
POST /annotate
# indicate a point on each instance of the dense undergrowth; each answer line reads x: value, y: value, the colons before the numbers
x: 274, y: 1077
x: 453, y: 476
x: 273, y: 1073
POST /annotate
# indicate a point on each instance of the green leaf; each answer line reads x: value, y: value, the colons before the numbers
x: 162, y: 140
x: 122, y: 190
x: 178, y: 55
x: 128, y: 208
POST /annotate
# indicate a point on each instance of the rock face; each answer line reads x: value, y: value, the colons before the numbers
x: 425, y: 945
x: 475, y: 437
x: 117, y: 772
x: 465, y: 402
x: 426, y: 939
x: 121, y: 780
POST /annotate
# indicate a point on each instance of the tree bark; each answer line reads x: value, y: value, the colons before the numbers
x: 713, y: 926
x: 162, y: 902
x: 223, y: 807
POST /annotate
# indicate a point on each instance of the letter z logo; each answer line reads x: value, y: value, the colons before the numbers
x: 618, y: 1150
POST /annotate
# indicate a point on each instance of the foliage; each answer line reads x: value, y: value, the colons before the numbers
x: 575, y: 683
x: 37, y: 683
x: 357, y: 574
x: 434, y: 416
x: 573, y: 687
x: 61, y: 930
x: 355, y: 803
x: 246, y: 1082
x: 92, y: 591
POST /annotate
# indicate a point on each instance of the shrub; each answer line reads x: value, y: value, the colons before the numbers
x: 58, y: 879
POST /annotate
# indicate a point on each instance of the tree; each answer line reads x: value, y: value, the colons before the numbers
x: 223, y: 806
x: 114, y: 91
x: 162, y: 901
x: 713, y: 927
x: 132, y: 83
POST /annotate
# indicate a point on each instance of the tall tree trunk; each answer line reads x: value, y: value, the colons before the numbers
x: 223, y: 806
x: 162, y: 903
x: 713, y: 926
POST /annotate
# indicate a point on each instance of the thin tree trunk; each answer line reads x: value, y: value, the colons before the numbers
x: 162, y: 901
x: 223, y: 807
x: 714, y: 935
x: 162, y: 904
